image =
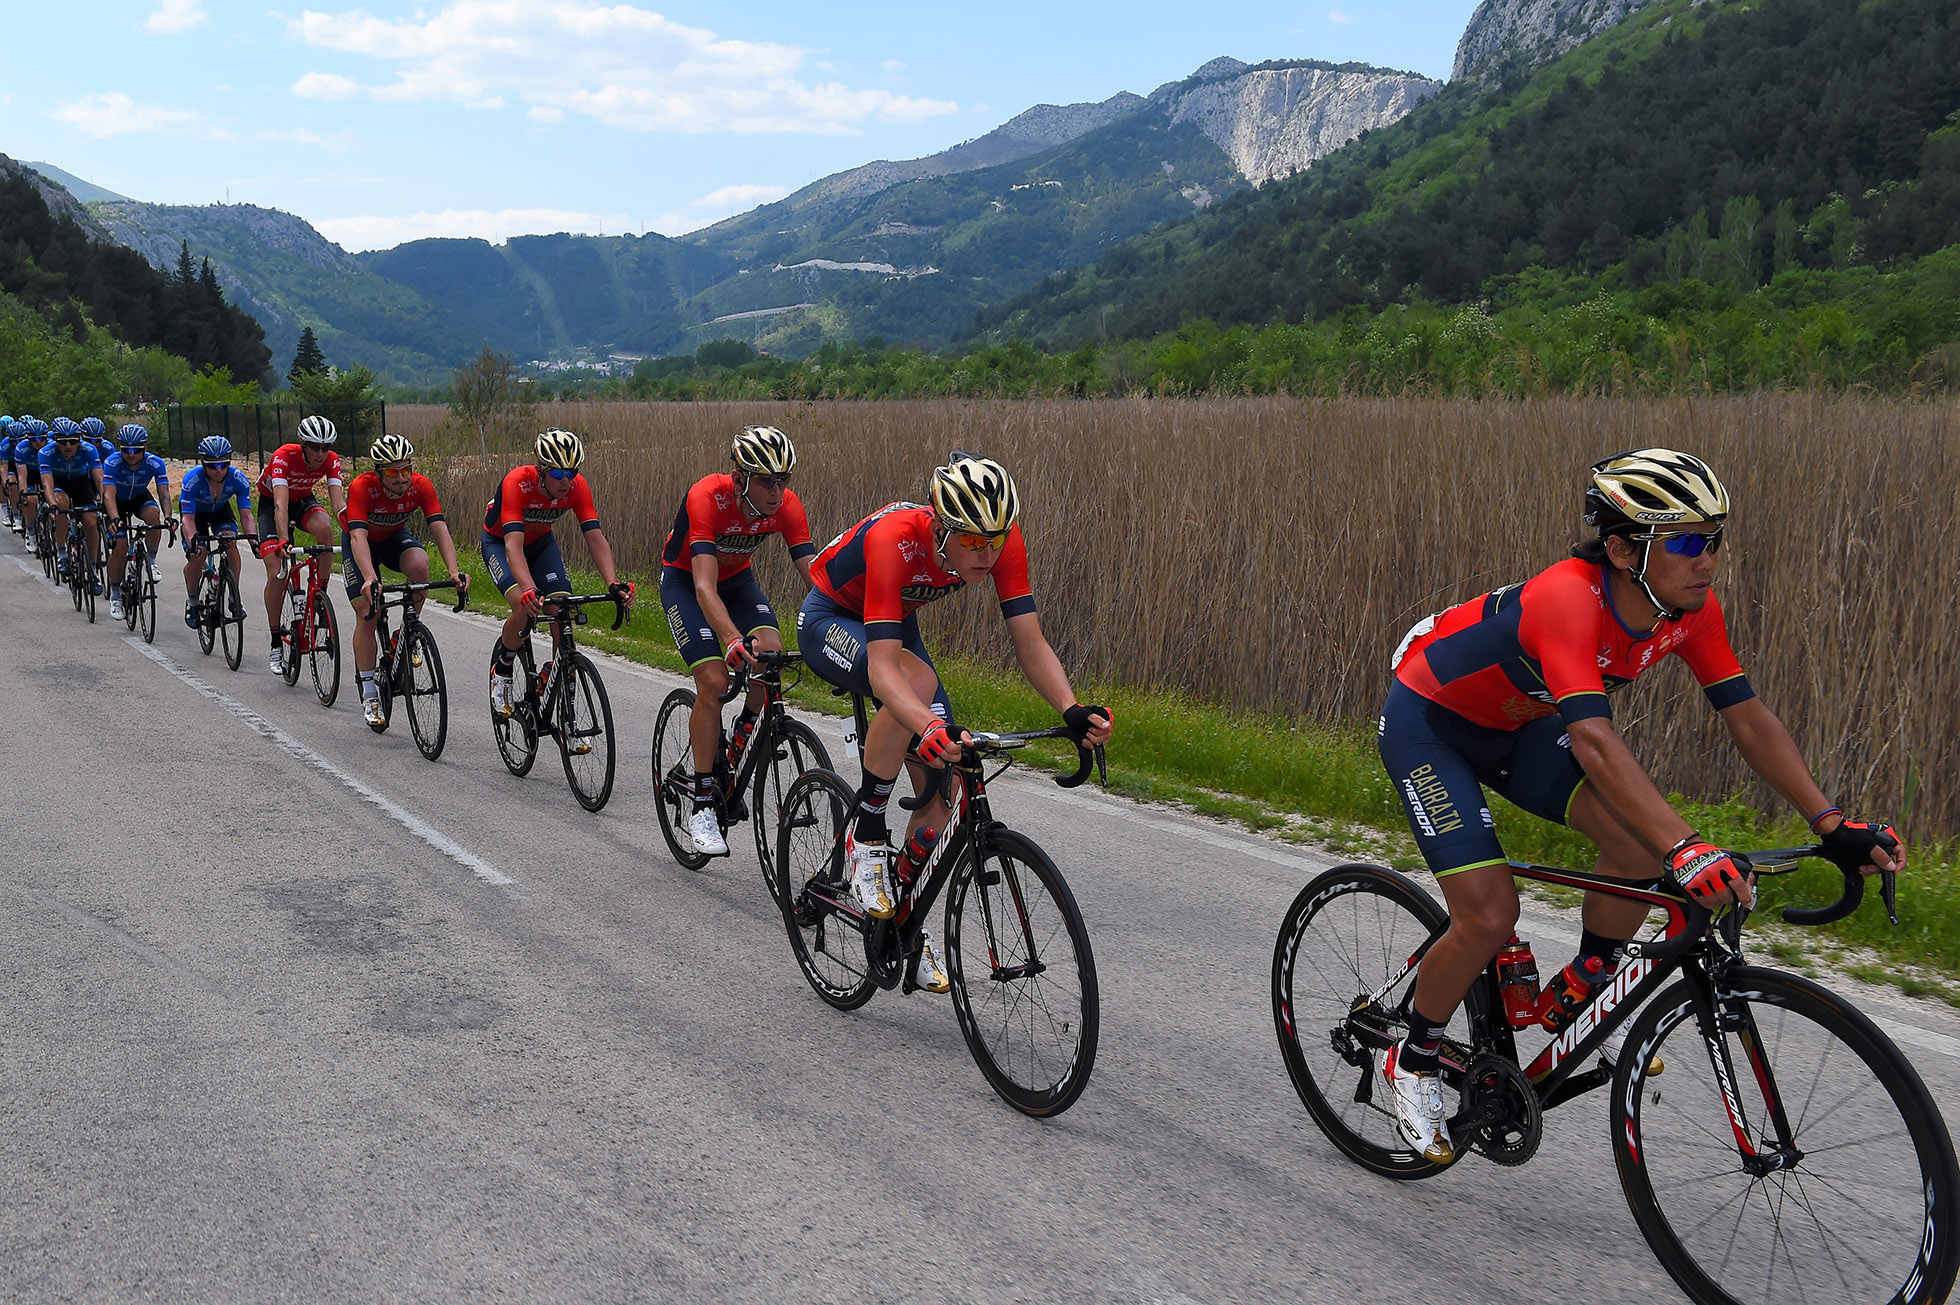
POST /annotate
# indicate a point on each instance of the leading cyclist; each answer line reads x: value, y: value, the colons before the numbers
x: 859, y: 630
x: 286, y: 502
x: 127, y: 479
x: 206, y: 503
x: 1510, y: 690
x: 712, y: 600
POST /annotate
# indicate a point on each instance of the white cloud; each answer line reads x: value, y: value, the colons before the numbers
x: 382, y: 232
x: 112, y: 113
x: 625, y: 66
x: 545, y: 113
x: 714, y: 206
x: 325, y: 86
x: 1339, y: 17
x: 336, y: 143
x: 893, y: 65
x: 173, y: 16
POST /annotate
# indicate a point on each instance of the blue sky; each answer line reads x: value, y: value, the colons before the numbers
x: 495, y: 118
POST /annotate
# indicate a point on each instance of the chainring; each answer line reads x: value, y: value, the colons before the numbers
x: 1509, y: 1123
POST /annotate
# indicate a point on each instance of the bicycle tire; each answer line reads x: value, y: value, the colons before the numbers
x: 75, y: 572
x: 587, y: 718
x: 1872, y: 1215
x: 323, y: 650
x: 427, y: 699
x: 829, y: 949
x: 132, y: 587
x: 209, y: 593
x: 232, y: 632
x: 1033, y: 1036
x: 517, y: 733
x: 89, y: 583
x: 295, y: 631
x: 1354, y: 925
x: 797, y: 751
x: 673, y: 776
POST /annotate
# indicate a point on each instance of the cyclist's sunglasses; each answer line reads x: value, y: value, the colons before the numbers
x: 1691, y: 543
x: 65, y: 443
x: 557, y: 474
x: 981, y: 543
x: 218, y: 466
x: 768, y: 482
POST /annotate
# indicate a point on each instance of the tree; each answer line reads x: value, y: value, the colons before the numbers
x: 490, y: 394
x: 307, y: 359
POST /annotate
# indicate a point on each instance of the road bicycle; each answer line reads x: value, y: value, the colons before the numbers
x: 1014, y: 944
x: 780, y: 749
x: 44, y: 540
x: 1782, y: 1149
x: 82, y: 567
x: 409, y: 665
x: 220, y: 614
x: 138, y: 585
x: 566, y: 699
x: 312, y: 630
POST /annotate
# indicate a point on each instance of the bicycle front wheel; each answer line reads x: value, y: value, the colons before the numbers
x: 1844, y: 1189
x: 76, y: 578
x: 517, y: 733
x: 827, y: 942
x: 427, y: 698
x: 795, y: 750
x: 585, y: 733
x: 1347, y: 934
x: 231, y: 629
x: 209, y: 595
x: 91, y: 578
x: 673, y: 777
x: 323, y: 650
x: 1024, y: 980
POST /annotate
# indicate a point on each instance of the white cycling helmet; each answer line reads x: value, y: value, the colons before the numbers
x: 317, y: 430
x: 975, y: 495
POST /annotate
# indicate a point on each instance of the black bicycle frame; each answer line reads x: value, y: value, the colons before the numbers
x: 568, y: 611
x: 770, y: 676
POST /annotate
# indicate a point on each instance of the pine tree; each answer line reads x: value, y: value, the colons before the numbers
x: 307, y: 359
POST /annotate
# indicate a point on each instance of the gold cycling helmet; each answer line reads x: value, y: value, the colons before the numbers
x: 390, y: 450
x: 560, y: 450
x: 1638, y: 492
x: 974, y: 495
x: 763, y: 451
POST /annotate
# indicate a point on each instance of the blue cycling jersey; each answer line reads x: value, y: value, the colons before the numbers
x: 105, y: 448
x: 134, y: 482
x: 197, y: 495
x: 72, y: 466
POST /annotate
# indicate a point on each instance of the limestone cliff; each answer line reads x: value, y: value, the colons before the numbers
x: 1530, y: 32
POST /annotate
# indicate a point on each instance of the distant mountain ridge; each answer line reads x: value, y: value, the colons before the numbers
x: 85, y: 191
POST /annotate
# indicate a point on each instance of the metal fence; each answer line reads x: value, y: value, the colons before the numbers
x: 256, y: 430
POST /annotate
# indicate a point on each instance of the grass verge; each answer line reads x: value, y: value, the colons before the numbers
x: 1325, y: 785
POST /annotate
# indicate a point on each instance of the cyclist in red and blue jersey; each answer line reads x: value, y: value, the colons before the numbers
x: 712, y: 600
x: 522, y: 554
x: 206, y: 504
x: 127, y: 481
x: 287, y: 502
x: 71, y: 478
x: 374, y: 534
x: 1513, y: 690
x: 859, y: 630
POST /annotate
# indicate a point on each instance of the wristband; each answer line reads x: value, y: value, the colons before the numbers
x: 1667, y: 858
x: 1819, y: 818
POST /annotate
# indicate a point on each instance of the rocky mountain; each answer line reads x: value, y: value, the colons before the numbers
x: 1525, y: 33
x: 55, y: 195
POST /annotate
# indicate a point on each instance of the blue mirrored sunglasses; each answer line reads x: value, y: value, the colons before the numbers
x: 1693, y: 543
x: 557, y: 474
x: 217, y: 466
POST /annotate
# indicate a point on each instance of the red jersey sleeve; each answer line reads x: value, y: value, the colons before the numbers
x: 333, y: 468
x: 885, y: 573
x: 1559, y: 628
x: 701, y: 517
x: 1010, y: 575
x: 355, y: 517
x: 588, y: 515
x: 1712, y: 658
x: 425, y: 493
x: 510, y: 501
x: 795, y: 526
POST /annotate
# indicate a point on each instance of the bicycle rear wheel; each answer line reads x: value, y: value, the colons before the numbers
x: 1849, y: 1190
x: 517, y: 733
x: 585, y: 733
x: 673, y: 777
x: 90, y: 579
x: 323, y: 650
x: 795, y: 751
x: 828, y: 944
x: 230, y: 630
x: 210, y: 593
x: 294, y: 639
x: 75, y: 575
x: 427, y: 698
x: 131, y: 583
x: 1347, y: 934
x: 1024, y: 979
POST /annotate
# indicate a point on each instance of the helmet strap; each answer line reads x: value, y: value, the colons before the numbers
x: 1639, y: 575
x: 748, y: 504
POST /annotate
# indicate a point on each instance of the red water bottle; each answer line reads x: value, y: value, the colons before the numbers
x: 738, y: 740
x: 1517, y: 975
x: 917, y: 849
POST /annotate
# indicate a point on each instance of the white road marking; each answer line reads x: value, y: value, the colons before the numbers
x: 34, y: 572
x: 259, y: 725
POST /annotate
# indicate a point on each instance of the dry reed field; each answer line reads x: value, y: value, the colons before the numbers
x: 1270, y: 553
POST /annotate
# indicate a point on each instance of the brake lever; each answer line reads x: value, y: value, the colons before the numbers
x: 1888, y: 887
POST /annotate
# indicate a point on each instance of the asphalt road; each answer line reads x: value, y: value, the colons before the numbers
x: 290, y: 1013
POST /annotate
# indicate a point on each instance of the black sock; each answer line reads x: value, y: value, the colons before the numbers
x: 1418, y: 1054
x: 874, y: 794
x: 277, y: 635
x: 704, y: 790
x: 1607, y: 950
x: 502, y: 657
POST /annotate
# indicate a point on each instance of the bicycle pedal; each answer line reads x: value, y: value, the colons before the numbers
x: 734, y: 810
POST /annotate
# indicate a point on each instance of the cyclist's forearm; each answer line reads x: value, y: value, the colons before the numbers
x: 602, y: 556
x: 520, y: 567
x: 363, y: 557
x: 446, y: 546
x: 707, y: 578
x: 1039, y: 662
x: 1769, y: 750
x: 1617, y: 776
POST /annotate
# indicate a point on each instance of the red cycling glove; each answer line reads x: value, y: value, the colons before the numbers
x: 1703, y: 870
x: 937, y: 745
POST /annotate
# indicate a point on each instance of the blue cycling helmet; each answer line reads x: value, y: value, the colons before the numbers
x: 133, y: 434
x: 213, y: 448
x: 36, y: 428
x: 93, y: 427
x: 65, y: 429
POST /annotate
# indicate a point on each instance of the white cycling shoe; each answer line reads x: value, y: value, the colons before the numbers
x: 278, y: 659
x: 870, y: 871
x: 931, y: 975
x: 501, y: 694
x: 1609, y: 1051
x: 1419, y: 1114
x: 156, y: 576
x: 704, y: 827
x: 371, y: 710
x: 115, y: 609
